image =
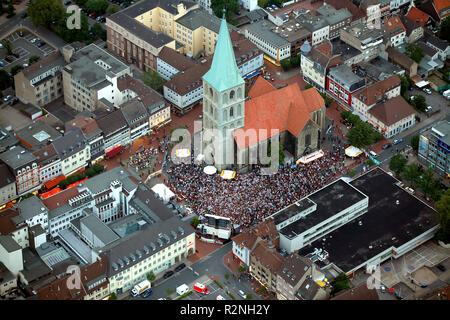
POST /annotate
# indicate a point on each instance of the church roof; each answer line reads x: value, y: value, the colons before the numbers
x: 288, y: 109
x: 224, y: 73
x: 260, y: 87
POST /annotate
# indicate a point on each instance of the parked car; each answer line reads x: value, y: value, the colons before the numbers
x: 428, y: 109
x: 180, y: 267
x: 1, y: 45
x: 397, y: 141
x: 92, y: 14
x: 7, y: 98
x: 24, y: 15
x: 219, y: 297
x: 242, y: 294
x: 441, y: 267
x: 1, y: 64
x: 386, y: 146
x: 25, y: 65
x: 13, y: 101
x: 101, y: 19
x: 168, y: 274
x: 201, y: 288
x: 20, y: 33
x: 41, y: 44
x: 427, y: 91
x: 146, y: 293
x: 35, y: 40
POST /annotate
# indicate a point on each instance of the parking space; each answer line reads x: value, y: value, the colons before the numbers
x: 24, y: 45
x: 214, y: 292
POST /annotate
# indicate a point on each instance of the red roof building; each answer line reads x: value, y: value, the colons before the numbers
x: 418, y: 16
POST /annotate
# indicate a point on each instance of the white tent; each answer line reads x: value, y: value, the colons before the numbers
x: 163, y: 191
x: 210, y: 170
x: 353, y: 151
x: 183, y: 153
x: 228, y: 174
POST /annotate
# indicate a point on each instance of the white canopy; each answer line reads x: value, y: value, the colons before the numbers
x: 210, y: 170
x: 200, y: 157
x: 422, y: 84
x: 227, y: 174
x: 353, y: 151
x: 163, y: 191
x: 183, y: 153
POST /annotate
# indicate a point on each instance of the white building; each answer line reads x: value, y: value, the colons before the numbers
x: 250, y: 5
x: 34, y: 212
x: 206, y: 5
x: 11, y: 254
x: 49, y: 162
x: 395, y: 4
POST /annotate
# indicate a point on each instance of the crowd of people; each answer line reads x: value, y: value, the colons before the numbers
x: 142, y: 158
x: 250, y: 197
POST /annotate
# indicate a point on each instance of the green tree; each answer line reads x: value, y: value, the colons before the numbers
x: 15, y: 70
x: 295, y: 61
x: 231, y: 6
x: 442, y: 208
x: 308, y: 86
x: 411, y: 174
x: 99, y: 31
x: 406, y: 82
x: 72, y: 35
x: 415, y: 142
x: 10, y: 10
x: 81, y: 3
x: 227, y: 276
x: 419, y: 102
x: 98, y: 6
x: 361, y: 135
x: 153, y: 80
x: 33, y: 59
x: 340, y: 283
x: 195, y: 222
x: 326, y: 99
x: 90, y: 172
x: 444, y: 30
x: 46, y: 12
x: 5, y: 79
x: 397, y: 164
x: 285, y: 64
x: 151, y: 276
x: 112, y: 296
x: 98, y: 167
x: 351, y: 173
x: 63, y: 184
x: 113, y: 9
x: 414, y: 52
x: 241, y: 269
x: 427, y: 183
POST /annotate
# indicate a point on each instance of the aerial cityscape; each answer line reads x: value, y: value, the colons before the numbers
x: 255, y: 150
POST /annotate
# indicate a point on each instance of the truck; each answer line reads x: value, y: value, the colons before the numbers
x: 140, y: 288
x: 182, y: 289
x: 201, y: 288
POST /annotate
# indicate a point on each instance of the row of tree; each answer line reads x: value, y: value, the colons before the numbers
x: 293, y: 62
x: 96, y: 169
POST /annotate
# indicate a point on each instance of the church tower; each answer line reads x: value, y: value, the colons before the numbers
x: 223, y: 98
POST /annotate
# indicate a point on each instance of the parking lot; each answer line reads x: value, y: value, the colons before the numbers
x: 24, y: 48
x: 214, y: 291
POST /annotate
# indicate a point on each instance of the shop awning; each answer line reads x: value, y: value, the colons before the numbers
x: 54, y: 182
x: 252, y: 74
x: 114, y: 151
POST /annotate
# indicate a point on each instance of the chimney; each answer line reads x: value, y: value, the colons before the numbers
x: 67, y: 52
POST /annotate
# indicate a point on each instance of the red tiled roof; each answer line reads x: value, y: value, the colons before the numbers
x: 418, y: 15
x: 441, y: 5
x: 392, y: 111
x: 260, y: 87
x: 393, y: 23
x: 267, y: 257
x: 284, y: 109
x: 86, y: 124
x: 372, y: 94
x: 361, y: 292
x: 61, y: 198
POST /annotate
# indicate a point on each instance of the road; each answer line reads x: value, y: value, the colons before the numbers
x: 209, y: 265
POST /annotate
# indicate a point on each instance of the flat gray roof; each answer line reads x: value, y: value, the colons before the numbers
x: 17, y: 157
x: 9, y: 243
x: 197, y: 18
x: 30, y: 207
x: 99, y: 229
x: 102, y: 182
x: 263, y: 29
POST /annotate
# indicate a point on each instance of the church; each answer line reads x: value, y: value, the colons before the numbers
x: 294, y: 117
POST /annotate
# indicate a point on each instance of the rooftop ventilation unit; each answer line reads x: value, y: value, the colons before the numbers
x: 181, y: 230
x: 174, y: 234
x: 153, y: 246
x: 160, y: 242
x: 139, y: 253
x: 133, y: 257
x: 146, y: 250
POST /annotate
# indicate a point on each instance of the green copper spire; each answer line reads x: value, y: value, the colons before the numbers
x: 224, y: 73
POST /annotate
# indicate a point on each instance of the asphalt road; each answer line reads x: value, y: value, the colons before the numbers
x: 209, y: 265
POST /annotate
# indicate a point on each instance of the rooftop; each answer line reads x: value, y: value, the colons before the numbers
x: 392, y: 111
x: 345, y: 77
x: 6, y: 176
x: 70, y: 143
x: 98, y: 229
x: 331, y: 200
x: 17, y: 157
x: 175, y: 59
x: 394, y: 218
x: 264, y: 29
x: 198, y: 18
x: 294, y: 268
x: 112, y: 123
x: 102, y: 182
x: 8, y: 243
x: 47, y: 63
x: 376, y: 92
x: 145, y: 202
x: 37, y: 134
x: 31, y: 207
x: 292, y: 210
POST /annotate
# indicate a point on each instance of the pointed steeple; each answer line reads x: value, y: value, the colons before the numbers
x: 224, y: 73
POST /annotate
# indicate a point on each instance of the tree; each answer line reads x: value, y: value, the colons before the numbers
x: 414, y: 52
x: 10, y: 10
x: 112, y: 296
x: 419, y: 102
x: 227, y: 276
x: 444, y: 31
x: 5, y: 79
x: 231, y: 6
x: 151, y: 276
x: 442, y: 208
x: 99, y: 31
x: 295, y: 61
x: 406, y: 83
x: 340, y: 283
x: 361, y: 135
x: 195, y: 222
x: 113, y: 9
x: 46, y: 12
x: 411, y: 174
x: 427, y: 183
x: 98, y: 6
x: 153, y: 79
x: 90, y: 172
x: 7, y: 45
x: 15, y: 70
x: 72, y: 35
x: 397, y: 164
x: 285, y: 64
x: 326, y: 99
x: 63, y: 184
x: 33, y: 59
x: 98, y: 167
x: 415, y: 142
x: 308, y: 86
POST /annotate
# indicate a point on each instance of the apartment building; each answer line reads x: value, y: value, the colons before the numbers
x: 402, y: 60
x: 434, y: 148
x: 73, y: 150
x: 41, y: 82
x: 49, y: 163
x: 395, y: 31
x: 316, y: 62
x: 413, y: 30
x: 12, y: 224
x: 294, y: 33
x: 170, y: 62
x: 11, y: 254
x: 91, y: 75
x: 154, y: 249
x: 337, y: 19
x: 317, y: 25
x: 250, y: 5
x: 116, y: 132
x: 137, y: 118
x: 34, y: 212
x: 23, y: 164
x: 366, y: 40
x: 139, y: 32
x: 7, y: 280
x: 205, y: 5
x: 8, y: 191
x: 265, y: 261
x: 275, y: 48
x: 342, y: 84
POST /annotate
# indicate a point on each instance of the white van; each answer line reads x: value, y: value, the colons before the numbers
x: 373, y: 153
x: 182, y: 289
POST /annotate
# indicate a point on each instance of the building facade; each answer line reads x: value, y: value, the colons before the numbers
x: 434, y: 148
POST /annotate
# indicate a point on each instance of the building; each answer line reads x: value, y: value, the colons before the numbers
x: 34, y: 212
x: 170, y: 62
x: 413, y: 30
x: 358, y: 15
x: 137, y: 118
x: 420, y: 17
x: 50, y: 166
x: 318, y: 26
x: 8, y: 191
x: 7, y: 280
x: 395, y: 31
x: 250, y: 5
x: 366, y: 40
x: 205, y: 5
x: 375, y: 236
x: 372, y: 10
x: 360, y: 292
x: 11, y: 254
x: 434, y: 148
x: 294, y: 33
x: 396, y: 4
x: 91, y: 75
x: 436, y: 9
x: 275, y: 48
x: 92, y: 133
x: 402, y: 60
x: 116, y: 132
x: 154, y: 249
x: 342, y: 84
x: 440, y: 45
x: 41, y: 82
x: 14, y: 225
x: 337, y: 19
x: 23, y: 164
x: 316, y: 63
x: 37, y: 135
x: 74, y: 151
x: 369, y: 96
x: 392, y: 116
x: 7, y: 139
x: 265, y: 261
